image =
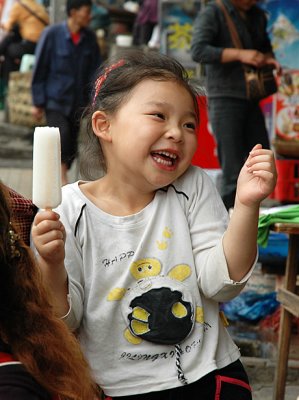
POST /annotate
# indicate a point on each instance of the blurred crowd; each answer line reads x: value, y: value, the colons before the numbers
x: 22, y: 22
x: 37, y: 38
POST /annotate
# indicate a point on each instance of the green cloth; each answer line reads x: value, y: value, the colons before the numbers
x: 283, y: 214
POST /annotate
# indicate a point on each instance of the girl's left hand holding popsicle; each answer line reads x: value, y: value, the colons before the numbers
x: 48, y: 234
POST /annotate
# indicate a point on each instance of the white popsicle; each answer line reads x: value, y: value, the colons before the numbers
x: 46, y: 190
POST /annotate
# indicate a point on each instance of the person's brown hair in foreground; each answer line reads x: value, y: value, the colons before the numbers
x: 40, y: 357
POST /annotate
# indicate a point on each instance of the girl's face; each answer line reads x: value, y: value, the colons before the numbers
x: 152, y: 137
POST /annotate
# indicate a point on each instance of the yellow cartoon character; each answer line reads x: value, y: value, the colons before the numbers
x: 158, y: 308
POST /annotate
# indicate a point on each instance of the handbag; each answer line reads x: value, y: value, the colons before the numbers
x: 260, y: 82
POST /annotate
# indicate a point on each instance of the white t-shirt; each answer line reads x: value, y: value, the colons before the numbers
x: 144, y: 288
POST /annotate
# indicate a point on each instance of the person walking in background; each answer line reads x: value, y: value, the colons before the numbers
x: 237, y: 123
x: 149, y: 251
x: 67, y: 57
x: 145, y: 22
x: 24, y: 25
x: 39, y: 358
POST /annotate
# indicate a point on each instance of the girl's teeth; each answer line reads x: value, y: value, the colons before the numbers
x: 162, y: 161
x: 165, y: 153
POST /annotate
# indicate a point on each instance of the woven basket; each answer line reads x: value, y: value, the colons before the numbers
x: 19, y: 100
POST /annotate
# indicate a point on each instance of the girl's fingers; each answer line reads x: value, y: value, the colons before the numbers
x: 51, y: 236
x: 261, y: 157
x: 258, y: 151
x: 46, y: 215
x: 45, y: 226
x: 52, y: 250
x: 256, y: 147
x: 260, y: 161
x: 266, y: 177
x: 262, y: 173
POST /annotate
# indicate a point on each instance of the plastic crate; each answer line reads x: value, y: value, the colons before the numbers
x: 276, y: 250
x: 287, y: 187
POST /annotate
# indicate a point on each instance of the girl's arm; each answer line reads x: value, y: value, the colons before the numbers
x: 256, y: 181
x: 48, y: 236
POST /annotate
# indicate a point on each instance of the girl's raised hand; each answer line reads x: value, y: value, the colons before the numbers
x: 258, y: 177
x: 48, y: 236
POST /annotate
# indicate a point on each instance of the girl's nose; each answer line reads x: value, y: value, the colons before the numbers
x: 175, y: 133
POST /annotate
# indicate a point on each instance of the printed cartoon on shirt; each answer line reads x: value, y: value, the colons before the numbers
x: 158, y: 308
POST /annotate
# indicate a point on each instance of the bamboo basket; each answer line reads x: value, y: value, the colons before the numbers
x: 19, y: 100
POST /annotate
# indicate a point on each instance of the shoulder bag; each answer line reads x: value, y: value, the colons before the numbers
x: 260, y: 82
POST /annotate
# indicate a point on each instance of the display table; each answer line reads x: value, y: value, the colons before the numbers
x: 289, y: 306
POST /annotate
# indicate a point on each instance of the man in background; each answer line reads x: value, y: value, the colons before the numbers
x: 67, y: 57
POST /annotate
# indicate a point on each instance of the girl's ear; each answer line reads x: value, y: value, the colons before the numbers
x: 101, y: 125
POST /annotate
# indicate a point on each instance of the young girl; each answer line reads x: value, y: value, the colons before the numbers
x: 149, y: 250
x: 39, y: 358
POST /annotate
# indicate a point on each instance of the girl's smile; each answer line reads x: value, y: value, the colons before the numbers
x: 166, y: 159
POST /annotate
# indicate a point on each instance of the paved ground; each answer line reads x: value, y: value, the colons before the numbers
x: 20, y: 179
x: 261, y: 374
x: 266, y: 393
x: 16, y: 171
x: 16, y: 157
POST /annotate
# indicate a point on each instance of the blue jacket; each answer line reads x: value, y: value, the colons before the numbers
x: 63, y: 72
x: 211, y: 36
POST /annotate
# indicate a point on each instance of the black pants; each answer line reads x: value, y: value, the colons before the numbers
x: 69, y: 131
x: 238, y: 125
x: 12, y: 48
x: 229, y: 383
x: 142, y: 33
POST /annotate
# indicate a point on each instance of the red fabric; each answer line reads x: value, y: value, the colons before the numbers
x: 271, y: 322
x: 6, y: 357
x: 206, y: 152
x: 75, y: 37
x: 23, y: 212
x: 221, y: 379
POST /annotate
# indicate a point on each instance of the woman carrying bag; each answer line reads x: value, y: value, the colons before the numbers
x: 27, y: 19
x: 237, y: 121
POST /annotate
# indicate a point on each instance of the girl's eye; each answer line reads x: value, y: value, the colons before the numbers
x: 190, y: 125
x: 159, y: 115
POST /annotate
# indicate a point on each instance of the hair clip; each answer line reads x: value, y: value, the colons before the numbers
x: 101, y: 79
x: 13, y: 238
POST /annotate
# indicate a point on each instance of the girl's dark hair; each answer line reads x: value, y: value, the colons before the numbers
x: 37, y: 338
x: 116, y: 87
